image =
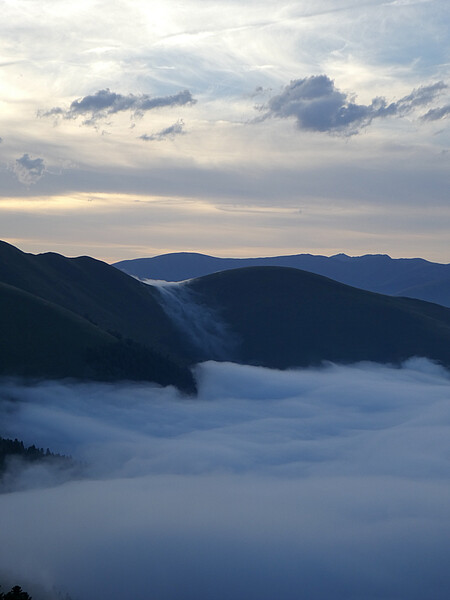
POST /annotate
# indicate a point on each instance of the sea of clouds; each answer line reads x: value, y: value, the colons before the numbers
x: 316, y: 484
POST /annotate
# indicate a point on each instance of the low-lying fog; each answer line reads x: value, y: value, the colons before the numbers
x: 328, y: 484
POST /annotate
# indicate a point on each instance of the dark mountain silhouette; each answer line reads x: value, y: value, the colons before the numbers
x: 62, y: 317
x: 82, y: 318
x: 281, y: 317
x: 410, y: 277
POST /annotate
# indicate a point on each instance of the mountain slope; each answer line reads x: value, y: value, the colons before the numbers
x: 39, y: 339
x: 281, y: 317
x: 79, y: 317
x: 415, y: 277
x: 92, y: 289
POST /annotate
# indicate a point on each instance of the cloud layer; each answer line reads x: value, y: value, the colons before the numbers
x: 329, y: 483
x: 94, y: 63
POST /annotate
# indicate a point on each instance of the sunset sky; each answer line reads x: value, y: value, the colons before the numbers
x: 135, y: 128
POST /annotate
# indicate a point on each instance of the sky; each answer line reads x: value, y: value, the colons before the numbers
x: 132, y: 128
x: 318, y: 483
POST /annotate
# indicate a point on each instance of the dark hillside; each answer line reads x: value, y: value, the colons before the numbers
x: 287, y: 317
x: 79, y: 317
x: 93, y: 290
x: 39, y: 339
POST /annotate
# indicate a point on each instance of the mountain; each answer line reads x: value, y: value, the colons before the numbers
x: 62, y: 317
x: 79, y: 317
x: 91, y: 289
x: 282, y: 317
x: 410, y: 277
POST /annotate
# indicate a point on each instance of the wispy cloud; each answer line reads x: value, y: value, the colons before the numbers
x: 105, y: 103
x: 317, y: 105
x: 168, y: 133
x: 436, y: 114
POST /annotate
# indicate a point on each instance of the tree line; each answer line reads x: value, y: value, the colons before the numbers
x: 16, y: 448
x: 15, y: 593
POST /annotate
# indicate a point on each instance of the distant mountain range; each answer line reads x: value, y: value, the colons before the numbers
x: 81, y: 318
x: 409, y: 277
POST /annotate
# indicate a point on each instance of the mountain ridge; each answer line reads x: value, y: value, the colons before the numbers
x: 79, y: 317
x: 411, y: 277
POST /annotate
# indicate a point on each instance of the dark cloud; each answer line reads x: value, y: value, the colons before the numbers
x: 104, y: 103
x: 322, y: 483
x: 28, y: 170
x: 435, y: 114
x: 318, y: 105
x: 168, y: 133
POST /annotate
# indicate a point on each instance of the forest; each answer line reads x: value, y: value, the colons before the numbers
x: 16, y: 449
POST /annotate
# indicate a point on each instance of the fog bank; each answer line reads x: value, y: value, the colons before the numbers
x: 318, y: 484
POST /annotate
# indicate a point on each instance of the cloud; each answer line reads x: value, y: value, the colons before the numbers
x: 435, y: 114
x: 29, y: 170
x: 418, y: 97
x: 208, y: 334
x: 318, y: 105
x: 332, y: 483
x: 167, y: 133
x: 104, y: 103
